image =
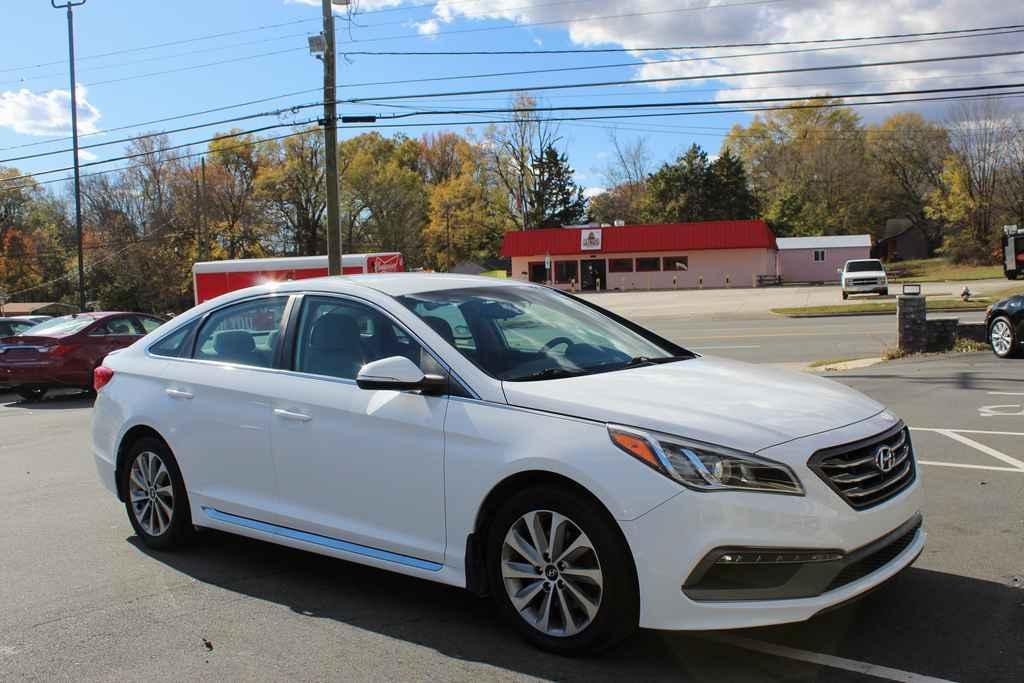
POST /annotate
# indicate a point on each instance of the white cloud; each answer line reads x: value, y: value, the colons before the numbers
x: 86, y: 155
x: 29, y: 113
x: 429, y: 27
x: 652, y: 24
x: 591, y: 192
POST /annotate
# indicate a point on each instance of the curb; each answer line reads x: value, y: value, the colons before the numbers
x: 864, y: 313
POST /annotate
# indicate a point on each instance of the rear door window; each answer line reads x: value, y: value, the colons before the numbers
x: 243, y: 334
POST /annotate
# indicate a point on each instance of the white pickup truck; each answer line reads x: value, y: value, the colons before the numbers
x: 863, y: 276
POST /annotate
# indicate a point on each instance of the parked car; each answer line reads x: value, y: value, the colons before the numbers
x: 16, y: 324
x: 63, y: 352
x: 863, y: 276
x: 590, y: 475
x: 1004, y: 321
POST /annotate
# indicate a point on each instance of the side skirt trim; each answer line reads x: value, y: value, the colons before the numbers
x: 325, y: 541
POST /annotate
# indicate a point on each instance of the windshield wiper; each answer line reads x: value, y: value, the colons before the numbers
x: 549, y: 373
x: 635, y: 362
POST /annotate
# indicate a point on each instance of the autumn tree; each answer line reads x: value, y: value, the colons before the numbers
x: 292, y: 186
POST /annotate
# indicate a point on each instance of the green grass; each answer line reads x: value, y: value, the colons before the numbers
x: 939, y: 270
x: 500, y: 274
x: 976, y: 304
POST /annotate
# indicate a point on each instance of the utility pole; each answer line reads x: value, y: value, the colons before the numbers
x: 200, y: 244
x: 74, y: 136
x: 331, y: 141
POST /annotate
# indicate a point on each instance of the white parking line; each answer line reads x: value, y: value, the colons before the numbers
x: 824, y: 660
x: 1005, y: 393
x: 991, y: 468
x: 980, y: 447
x: 967, y: 431
x: 706, y: 348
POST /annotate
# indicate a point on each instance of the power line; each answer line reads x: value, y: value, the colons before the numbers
x: 172, y: 43
x: 573, y: 119
x: 167, y: 118
x: 594, y: 67
x: 556, y: 22
x: 703, y: 77
x: 670, y: 48
x: 236, y: 119
x: 181, y: 157
x: 701, y: 103
x: 137, y: 155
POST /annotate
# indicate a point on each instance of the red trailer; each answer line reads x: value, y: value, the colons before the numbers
x: 213, y: 278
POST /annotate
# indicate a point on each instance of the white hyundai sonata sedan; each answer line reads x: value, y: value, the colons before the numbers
x: 513, y: 440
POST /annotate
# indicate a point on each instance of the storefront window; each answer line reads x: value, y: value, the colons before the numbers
x: 645, y: 265
x: 566, y: 271
x: 538, y: 273
x: 620, y: 265
x: 675, y: 263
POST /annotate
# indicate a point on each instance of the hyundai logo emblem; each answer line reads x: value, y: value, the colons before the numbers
x: 885, y: 459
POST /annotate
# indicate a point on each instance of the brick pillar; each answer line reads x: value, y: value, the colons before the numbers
x: 911, y: 319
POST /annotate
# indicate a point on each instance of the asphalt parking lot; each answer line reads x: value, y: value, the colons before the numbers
x: 81, y: 599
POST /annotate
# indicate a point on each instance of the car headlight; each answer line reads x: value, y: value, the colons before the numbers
x: 705, y: 467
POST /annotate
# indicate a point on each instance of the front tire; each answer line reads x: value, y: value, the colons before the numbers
x: 155, y: 496
x: 1003, y: 339
x: 561, y: 571
x: 884, y: 292
x: 845, y: 296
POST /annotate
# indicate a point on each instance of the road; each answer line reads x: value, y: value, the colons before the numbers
x: 82, y: 599
x: 788, y: 340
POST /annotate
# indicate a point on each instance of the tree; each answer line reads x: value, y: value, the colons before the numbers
x: 728, y: 194
x: 910, y: 153
x: 554, y: 198
x: 626, y: 179
x: 677, y: 192
x: 513, y: 149
x: 292, y: 184
x: 980, y: 136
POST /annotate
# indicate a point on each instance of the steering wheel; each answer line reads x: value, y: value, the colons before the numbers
x: 558, y: 341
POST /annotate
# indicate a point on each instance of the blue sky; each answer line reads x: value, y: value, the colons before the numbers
x: 123, y: 90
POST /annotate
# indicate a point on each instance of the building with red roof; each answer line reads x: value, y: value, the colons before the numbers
x: 664, y: 256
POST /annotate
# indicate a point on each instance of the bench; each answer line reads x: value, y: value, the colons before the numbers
x: 768, y: 281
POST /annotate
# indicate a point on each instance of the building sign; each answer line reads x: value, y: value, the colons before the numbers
x: 590, y: 240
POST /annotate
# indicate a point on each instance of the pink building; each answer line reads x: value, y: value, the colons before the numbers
x: 666, y: 256
x: 815, y: 259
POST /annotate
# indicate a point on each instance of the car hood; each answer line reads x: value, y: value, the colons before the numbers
x: 725, y: 402
x: 865, y: 273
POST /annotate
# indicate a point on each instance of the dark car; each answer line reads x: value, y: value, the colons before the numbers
x: 16, y: 324
x: 1004, y: 321
x: 63, y: 352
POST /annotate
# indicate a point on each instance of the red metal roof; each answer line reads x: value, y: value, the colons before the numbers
x: 754, y: 234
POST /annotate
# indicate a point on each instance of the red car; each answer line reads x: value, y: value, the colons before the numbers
x: 63, y: 352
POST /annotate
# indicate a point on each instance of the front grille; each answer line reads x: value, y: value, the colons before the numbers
x: 865, y: 281
x: 855, y: 472
x: 875, y: 560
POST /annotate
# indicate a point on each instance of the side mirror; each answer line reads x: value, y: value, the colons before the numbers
x: 398, y: 373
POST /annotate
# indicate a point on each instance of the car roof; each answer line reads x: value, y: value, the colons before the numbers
x: 392, y: 284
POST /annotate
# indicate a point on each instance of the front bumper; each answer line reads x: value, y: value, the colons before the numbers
x: 670, y: 542
x: 874, y: 288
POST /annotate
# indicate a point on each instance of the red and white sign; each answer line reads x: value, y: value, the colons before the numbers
x: 590, y: 240
x: 212, y: 278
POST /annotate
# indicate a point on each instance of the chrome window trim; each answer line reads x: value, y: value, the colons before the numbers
x: 292, y: 295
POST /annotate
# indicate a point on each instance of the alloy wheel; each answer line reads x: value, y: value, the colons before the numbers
x: 151, y: 493
x: 552, y: 573
x: 1001, y: 337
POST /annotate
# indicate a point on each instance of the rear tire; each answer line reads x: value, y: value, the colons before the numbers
x: 845, y: 296
x: 885, y: 292
x: 578, y: 594
x: 31, y: 394
x: 155, y: 495
x: 1003, y: 339
x: 1012, y: 274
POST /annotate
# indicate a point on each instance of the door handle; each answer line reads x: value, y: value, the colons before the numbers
x: 177, y: 393
x: 293, y: 416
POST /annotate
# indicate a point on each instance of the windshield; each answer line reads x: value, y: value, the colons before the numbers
x: 864, y: 267
x: 60, y: 327
x: 525, y: 333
